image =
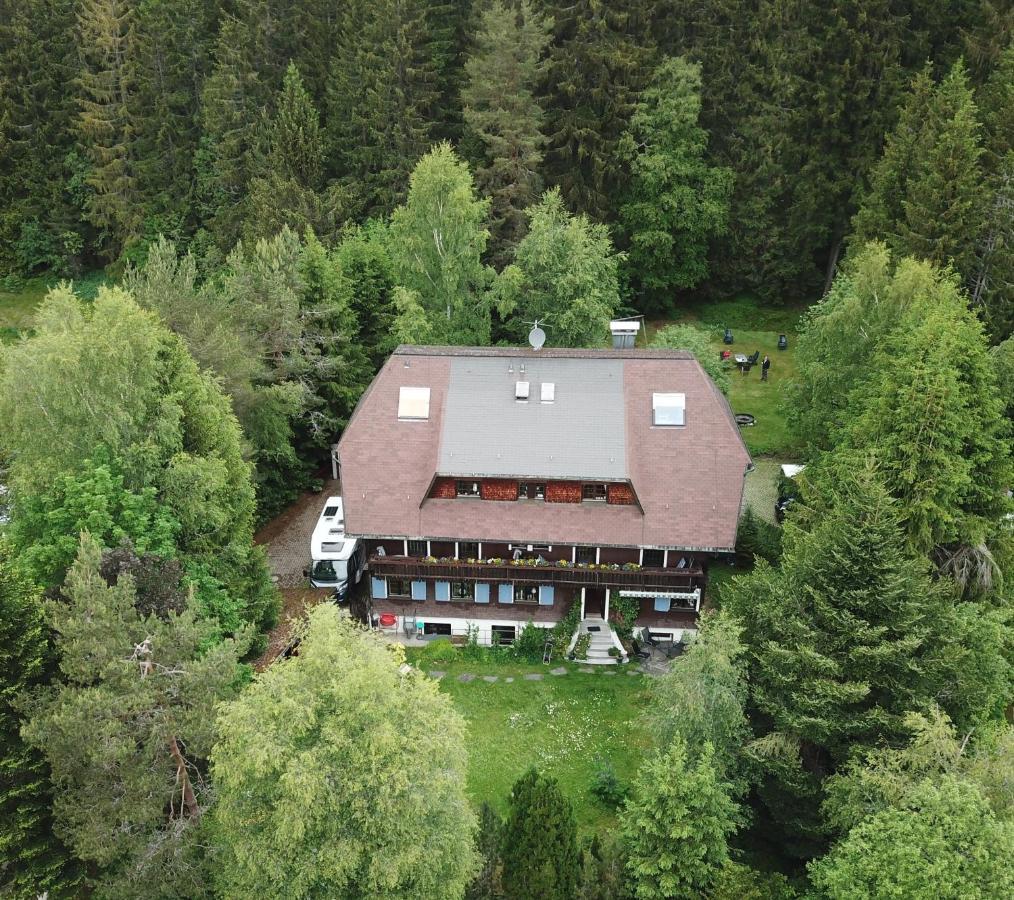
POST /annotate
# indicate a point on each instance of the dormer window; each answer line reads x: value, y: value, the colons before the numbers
x: 668, y: 409
x: 467, y: 488
x: 594, y: 491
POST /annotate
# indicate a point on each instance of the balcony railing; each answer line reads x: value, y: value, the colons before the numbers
x: 548, y: 573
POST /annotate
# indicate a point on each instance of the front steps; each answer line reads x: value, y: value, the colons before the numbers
x: 601, y: 642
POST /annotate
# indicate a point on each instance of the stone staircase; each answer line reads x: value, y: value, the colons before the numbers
x: 601, y: 642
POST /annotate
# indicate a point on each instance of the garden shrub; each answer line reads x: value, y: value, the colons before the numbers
x: 564, y: 630
x: 582, y: 645
x: 531, y: 642
x: 626, y: 609
x: 439, y: 651
x: 606, y: 785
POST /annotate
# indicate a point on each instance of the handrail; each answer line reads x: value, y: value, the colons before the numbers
x: 409, y: 567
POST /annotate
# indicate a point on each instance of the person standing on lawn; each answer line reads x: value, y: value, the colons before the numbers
x: 764, y: 367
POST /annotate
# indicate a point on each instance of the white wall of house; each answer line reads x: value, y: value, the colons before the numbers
x: 460, y: 626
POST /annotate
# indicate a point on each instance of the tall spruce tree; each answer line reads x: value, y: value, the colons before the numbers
x: 131, y: 802
x: 39, y: 227
x: 250, y: 57
x: 106, y: 85
x: 926, y: 198
x: 35, y: 861
x: 171, y: 61
x: 931, y: 413
x: 382, y: 96
x: 944, y: 201
x: 287, y: 186
x: 600, y: 60
x: 843, y: 640
x: 540, y: 855
x: 677, y: 823
x: 368, y: 284
x: 503, y: 112
x: 993, y: 286
x: 675, y: 202
x: 489, y: 844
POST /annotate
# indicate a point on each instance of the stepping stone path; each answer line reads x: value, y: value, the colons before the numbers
x: 466, y: 677
x: 633, y: 672
x: 437, y: 675
x: 508, y: 680
x: 586, y: 670
x: 608, y: 673
x: 534, y: 676
x: 560, y: 671
x: 490, y: 678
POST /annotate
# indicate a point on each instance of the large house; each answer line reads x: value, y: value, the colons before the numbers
x: 494, y: 486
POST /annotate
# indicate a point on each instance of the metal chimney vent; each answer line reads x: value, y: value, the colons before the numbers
x: 624, y: 332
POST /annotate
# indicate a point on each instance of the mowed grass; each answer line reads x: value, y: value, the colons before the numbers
x: 563, y: 725
x: 17, y: 308
x: 754, y: 327
x: 771, y: 434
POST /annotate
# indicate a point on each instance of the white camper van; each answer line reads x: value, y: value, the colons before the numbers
x: 338, y: 560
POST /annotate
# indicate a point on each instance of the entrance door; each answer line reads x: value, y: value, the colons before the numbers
x: 594, y: 602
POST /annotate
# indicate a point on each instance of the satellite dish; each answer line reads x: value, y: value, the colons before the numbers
x: 536, y: 337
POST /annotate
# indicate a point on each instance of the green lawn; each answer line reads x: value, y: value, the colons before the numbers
x: 754, y: 327
x: 749, y: 394
x: 17, y: 308
x: 561, y: 725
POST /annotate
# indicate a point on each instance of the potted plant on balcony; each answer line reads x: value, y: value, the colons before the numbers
x: 631, y: 567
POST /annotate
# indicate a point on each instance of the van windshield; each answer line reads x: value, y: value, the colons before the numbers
x: 332, y: 570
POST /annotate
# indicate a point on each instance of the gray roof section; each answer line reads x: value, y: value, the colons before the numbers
x: 581, y: 434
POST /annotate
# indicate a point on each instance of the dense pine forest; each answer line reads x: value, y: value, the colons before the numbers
x: 236, y: 210
x: 728, y: 146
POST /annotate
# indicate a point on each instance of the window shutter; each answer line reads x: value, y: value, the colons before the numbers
x: 481, y: 593
x: 443, y: 590
x: 379, y: 588
x: 506, y: 593
x: 545, y: 595
x: 662, y: 604
x: 418, y: 590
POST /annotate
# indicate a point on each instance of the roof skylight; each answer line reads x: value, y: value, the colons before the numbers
x: 668, y: 409
x: 414, y: 403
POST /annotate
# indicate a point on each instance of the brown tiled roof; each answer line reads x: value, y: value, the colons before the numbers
x: 688, y: 480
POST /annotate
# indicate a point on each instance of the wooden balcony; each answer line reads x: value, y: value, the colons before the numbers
x: 550, y: 573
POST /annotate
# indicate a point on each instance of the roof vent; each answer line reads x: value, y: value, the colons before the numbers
x: 521, y: 391
x: 548, y: 394
x: 414, y: 403
x: 624, y: 332
x: 668, y: 409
